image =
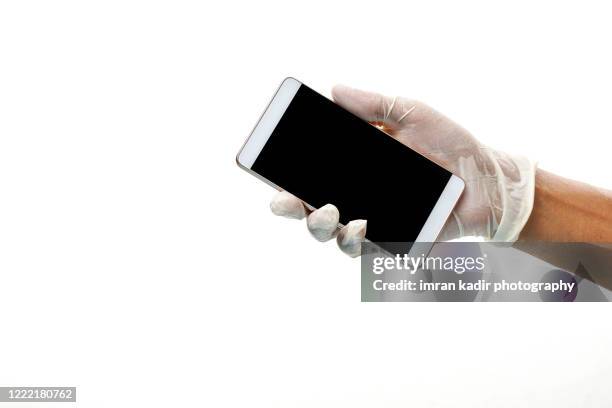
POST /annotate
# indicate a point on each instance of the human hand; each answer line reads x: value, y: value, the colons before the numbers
x: 499, y: 188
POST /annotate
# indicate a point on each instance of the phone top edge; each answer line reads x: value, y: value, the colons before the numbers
x: 442, y: 210
x: 460, y: 182
x: 267, y: 122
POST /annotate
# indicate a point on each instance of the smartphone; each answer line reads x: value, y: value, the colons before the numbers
x: 307, y: 145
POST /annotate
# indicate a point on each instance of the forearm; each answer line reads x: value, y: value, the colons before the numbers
x: 568, y: 211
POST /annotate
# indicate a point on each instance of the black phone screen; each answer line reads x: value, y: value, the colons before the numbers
x: 323, y: 154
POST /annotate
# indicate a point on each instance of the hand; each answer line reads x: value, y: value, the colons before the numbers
x: 499, y: 190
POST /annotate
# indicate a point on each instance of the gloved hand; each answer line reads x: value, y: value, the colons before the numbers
x: 499, y: 188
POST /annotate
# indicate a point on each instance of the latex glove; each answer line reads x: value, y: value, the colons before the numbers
x: 499, y: 189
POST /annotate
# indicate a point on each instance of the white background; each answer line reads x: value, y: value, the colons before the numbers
x: 138, y: 262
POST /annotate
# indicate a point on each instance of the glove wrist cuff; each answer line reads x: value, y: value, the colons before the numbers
x: 517, y: 187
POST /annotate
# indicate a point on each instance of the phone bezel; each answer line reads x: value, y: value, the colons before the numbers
x: 265, y: 127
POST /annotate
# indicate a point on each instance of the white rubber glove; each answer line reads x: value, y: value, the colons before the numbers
x: 499, y: 189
